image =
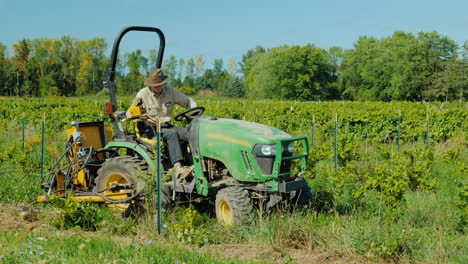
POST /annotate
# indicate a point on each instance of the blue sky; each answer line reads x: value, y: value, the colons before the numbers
x: 227, y: 29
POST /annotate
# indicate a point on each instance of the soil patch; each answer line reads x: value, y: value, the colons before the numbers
x: 19, y: 217
x: 272, y: 254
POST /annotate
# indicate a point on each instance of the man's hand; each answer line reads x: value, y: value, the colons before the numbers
x: 120, y: 115
x: 137, y: 101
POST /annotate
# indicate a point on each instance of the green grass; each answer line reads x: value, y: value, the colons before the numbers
x: 27, y: 247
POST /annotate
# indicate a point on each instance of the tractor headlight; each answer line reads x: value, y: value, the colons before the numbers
x: 270, y: 150
x: 265, y: 156
x: 265, y: 150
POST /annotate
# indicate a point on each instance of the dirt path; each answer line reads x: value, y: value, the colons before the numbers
x: 249, y: 252
x: 27, y: 218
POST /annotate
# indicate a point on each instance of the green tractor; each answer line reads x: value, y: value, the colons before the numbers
x: 235, y: 164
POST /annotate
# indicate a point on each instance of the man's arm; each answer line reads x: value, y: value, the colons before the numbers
x: 182, y: 99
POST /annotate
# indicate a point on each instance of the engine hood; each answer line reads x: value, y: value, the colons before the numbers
x: 239, y: 132
x: 231, y: 142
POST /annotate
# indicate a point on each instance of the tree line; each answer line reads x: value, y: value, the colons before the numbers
x: 404, y: 66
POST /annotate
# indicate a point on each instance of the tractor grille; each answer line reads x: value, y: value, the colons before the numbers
x: 266, y: 165
x: 248, y: 165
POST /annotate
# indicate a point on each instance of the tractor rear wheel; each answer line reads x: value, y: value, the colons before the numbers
x: 118, y: 174
x: 233, y: 206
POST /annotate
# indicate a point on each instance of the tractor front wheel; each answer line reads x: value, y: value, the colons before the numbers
x: 233, y: 206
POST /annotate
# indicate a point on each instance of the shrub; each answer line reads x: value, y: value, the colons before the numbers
x: 190, y: 230
x: 73, y: 214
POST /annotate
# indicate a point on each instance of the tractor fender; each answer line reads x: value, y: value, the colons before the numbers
x: 135, y: 147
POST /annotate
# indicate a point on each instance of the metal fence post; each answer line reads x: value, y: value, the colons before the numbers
x: 313, y: 132
x: 43, y: 146
x: 336, y: 141
x: 427, y: 130
x: 23, y: 126
x: 158, y: 165
x: 399, y: 131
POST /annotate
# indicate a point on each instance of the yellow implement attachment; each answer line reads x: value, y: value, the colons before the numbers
x: 90, y: 198
x: 87, y: 198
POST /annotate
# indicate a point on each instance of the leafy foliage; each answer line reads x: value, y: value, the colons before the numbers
x: 190, y: 229
x: 295, y: 72
x: 74, y: 214
x: 400, y: 67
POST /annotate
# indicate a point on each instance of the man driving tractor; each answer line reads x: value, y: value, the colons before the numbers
x: 157, y: 102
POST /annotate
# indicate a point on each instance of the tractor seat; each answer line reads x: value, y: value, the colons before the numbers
x: 140, y: 125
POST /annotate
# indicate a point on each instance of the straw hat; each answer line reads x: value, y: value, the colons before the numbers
x: 156, y: 78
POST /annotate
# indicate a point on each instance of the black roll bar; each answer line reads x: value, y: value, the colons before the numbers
x: 115, y: 51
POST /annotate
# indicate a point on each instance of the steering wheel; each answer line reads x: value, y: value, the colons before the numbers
x: 197, y: 111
